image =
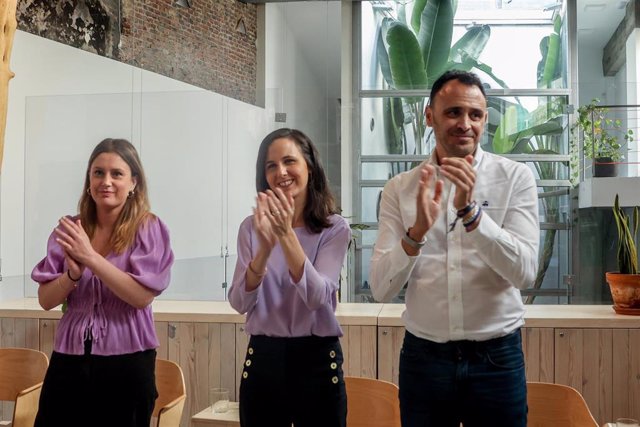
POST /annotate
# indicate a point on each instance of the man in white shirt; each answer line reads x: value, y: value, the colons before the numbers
x: 462, y: 230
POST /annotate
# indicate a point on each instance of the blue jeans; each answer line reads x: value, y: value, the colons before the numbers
x: 477, y: 383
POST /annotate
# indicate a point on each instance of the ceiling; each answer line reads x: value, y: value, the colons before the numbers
x: 598, y: 19
x: 320, y: 30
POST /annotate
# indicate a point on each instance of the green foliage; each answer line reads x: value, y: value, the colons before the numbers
x: 601, y: 134
x: 627, y: 234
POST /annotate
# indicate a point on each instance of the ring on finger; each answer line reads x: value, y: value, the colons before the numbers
x: 275, y: 212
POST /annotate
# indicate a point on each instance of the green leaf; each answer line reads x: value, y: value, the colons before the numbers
x: 471, y: 44
x: 434, y: 37
x: 393, y: 119
x: 405, y: 59
x: 416, y: 13
x: 550, y: 61
x: 381, y: 52
x: 508, y: 125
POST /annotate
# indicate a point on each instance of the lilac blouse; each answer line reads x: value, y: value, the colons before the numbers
x: 281, y: 308
x: 115, y: 326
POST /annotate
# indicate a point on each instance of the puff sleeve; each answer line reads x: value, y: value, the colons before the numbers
x: 151, y: 256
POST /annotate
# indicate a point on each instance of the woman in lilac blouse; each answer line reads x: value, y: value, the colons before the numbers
x: 290, y: 252
x: 108, y: 264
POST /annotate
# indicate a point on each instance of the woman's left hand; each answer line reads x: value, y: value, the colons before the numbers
x: 74, y: 241
x: 281, y: 209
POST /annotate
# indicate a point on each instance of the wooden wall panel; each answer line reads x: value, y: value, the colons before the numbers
x: 389, y: 344
x: 597, y: 365
x: 538, y: 349
x: 47, y: 333
x: 568, y: 357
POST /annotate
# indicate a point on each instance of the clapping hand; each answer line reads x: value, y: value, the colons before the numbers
x: 262, y: 223
x: 76, y: 245
x: 281, y: 209
x: 461, y: 173
x: 427, y: 201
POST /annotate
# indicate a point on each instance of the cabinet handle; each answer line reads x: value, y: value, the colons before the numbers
x: 172, y: 331
x: 241, y: 328
x: 385, y: 332
x: 561, y: 334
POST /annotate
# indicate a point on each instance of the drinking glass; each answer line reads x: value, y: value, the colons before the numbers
x: 219, y: 398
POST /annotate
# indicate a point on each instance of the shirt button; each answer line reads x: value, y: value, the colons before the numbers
x: 334, y: 365
x: 245, y: 374
x: 248, y: 362
x: 332, y: 354
x: 250, y: 351
x: 334, y: 380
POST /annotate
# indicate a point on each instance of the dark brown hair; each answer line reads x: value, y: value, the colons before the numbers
x: 465, y: 77
x: 320, y: 203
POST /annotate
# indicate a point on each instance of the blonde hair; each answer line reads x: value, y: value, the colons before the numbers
x: 136, y: 210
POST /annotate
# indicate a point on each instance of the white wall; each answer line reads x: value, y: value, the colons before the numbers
x: 194, y: 145
x: 302, y: 75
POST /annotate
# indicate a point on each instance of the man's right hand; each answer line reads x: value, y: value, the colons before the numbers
x: 427, y: 203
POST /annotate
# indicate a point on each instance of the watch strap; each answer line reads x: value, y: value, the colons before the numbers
x: 413, y: 243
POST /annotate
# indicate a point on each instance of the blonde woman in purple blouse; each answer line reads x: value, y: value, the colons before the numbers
x: 290, y: 252
x: 108, y: 263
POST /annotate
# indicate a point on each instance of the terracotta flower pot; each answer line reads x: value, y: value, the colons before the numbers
x: 625, y: 290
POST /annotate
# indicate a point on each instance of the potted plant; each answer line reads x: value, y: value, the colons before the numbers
x: 625, y: 284
x: 601, y: 135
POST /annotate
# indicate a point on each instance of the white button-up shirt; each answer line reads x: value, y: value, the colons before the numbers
x: 462, y: 285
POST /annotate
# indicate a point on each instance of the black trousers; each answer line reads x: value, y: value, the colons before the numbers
x: 293, y: 380
x: 97, y: 391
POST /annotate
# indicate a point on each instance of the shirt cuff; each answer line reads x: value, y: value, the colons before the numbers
x: 485, y: 233
x: 401, y: 258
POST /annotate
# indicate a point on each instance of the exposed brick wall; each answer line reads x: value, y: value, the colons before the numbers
x: 199, y: 45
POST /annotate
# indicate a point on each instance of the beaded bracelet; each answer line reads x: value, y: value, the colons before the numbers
x: 464, y: 211
x: 469, y: 224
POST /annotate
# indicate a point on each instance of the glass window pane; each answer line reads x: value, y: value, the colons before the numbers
x: 370, y: 203
x: 487, y: 37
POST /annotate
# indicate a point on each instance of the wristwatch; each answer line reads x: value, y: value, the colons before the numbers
x: 413, y: 243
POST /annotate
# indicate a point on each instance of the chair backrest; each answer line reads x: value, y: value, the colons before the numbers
x: 20, y: 369
x: 171, y: 393
x: 372, y: 403
x: 557, y: 405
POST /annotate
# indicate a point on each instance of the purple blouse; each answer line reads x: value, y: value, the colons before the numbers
x: 115, y: 326
x: 281, y: 308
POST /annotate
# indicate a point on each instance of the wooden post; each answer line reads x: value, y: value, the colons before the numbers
x: 7, y: 31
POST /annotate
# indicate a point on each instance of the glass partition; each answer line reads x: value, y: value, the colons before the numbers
x: 184, y: 141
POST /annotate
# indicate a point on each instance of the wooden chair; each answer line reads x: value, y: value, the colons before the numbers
x: 372, y: 403
x: 171, y: 394
x: 22, y: 371
x: 558, y: 406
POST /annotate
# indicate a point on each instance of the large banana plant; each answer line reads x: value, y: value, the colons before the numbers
x: 541, y: 131
x: 413, y: 54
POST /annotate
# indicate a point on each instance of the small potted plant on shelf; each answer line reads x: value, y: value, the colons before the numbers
x: 625, y: 284
x: 602, y: 136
